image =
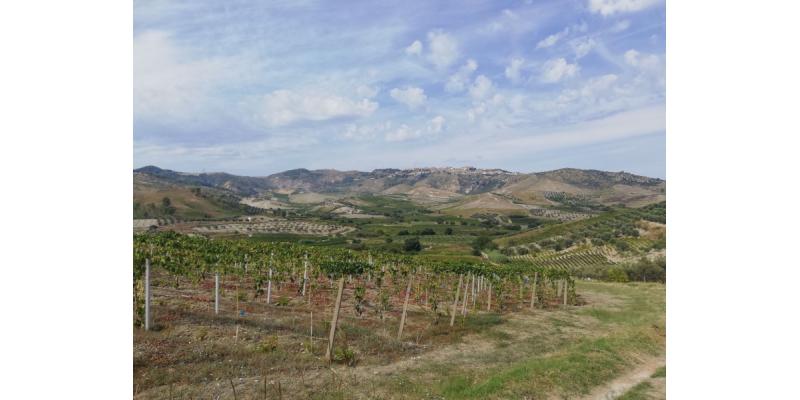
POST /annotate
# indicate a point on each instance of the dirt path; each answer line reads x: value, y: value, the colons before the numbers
x: 622, y: 384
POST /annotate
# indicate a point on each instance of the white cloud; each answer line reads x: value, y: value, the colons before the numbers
x: 513, y: 69
x: 403, y: 133
x: 589, y: 93
x: 443, y: 49
x: 610, y: 7
x: 621, y: 26
x: 458, y: 81
x: 552, y: 39
x: 557, y: 69
x: 436, y: 124
x: 481, y: 88
x: 170, y: 83
x: 367, y: 91
x: 582, y: 47
x: 283, y: 107
x: 643, y: 61
x: 414, y: 49
x: 365, y: 132
x: 412, y: 97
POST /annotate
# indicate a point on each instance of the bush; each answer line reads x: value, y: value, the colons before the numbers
x: 617, y: 275
x: 412, y: 244
x: 484, y: 242
x: 268, y: 345
x: 448, y: 231
x: 346, y: 356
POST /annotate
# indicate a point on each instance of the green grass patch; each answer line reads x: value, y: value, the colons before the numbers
x: 638, y: 392
x: 660, y: 373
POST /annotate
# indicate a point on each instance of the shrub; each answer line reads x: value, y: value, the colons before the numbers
x: 617, y: 275
x: 412, y: 244
x: 346, y: 356
x: 268, y: 345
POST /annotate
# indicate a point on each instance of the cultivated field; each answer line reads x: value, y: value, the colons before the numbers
x: 611, y: 343
x: 274, y: 226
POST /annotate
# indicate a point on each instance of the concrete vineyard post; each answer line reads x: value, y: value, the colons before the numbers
x: 489, y: 303
x: 312, y: 332
x: 474, y: 289
x: 269, y: 286
x: 305, y: 274
x: 334, y: 319
x: 466, y: 296
x: 455, y: 302
x: 405, y: 307
x: 464, y: 300
x: 216, y: 293
x: 147, y: 294
x: 533, y: 288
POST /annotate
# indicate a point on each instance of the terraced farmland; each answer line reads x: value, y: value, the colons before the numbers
x: 569, y: 260
x: 264, y: 225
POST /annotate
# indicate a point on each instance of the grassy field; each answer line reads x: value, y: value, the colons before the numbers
x: 553, y: 353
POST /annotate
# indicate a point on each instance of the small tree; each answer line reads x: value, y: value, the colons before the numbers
x: 412, y: 244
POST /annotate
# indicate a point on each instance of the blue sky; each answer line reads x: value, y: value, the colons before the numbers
x: 257, y: 87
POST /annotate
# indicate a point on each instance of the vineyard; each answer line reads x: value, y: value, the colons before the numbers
x: 265, y: 225
x: 602, y: 229
x: 570, y: 260
x: 310, y: 306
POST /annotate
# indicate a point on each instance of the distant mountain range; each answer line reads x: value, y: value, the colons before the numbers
x: 465, y: 187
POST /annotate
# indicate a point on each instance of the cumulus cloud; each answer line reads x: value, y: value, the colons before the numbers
x: 590, y: 91
x: 403, y: 133
x: 621, y: 26
x: 414, y: 49
x: 412, y: 97
x: 436, y: 124
x: 481, y: 87
x: 458, y: 81
x: 169, y: 82
x: 443, y: 49
x: 643, y: 61
x: 610, y: 7
x: 367, y: 91
x: 513, y: 69
x: 552, y: 39
x: 365, y: 132
x: 557, y: 69
x: 284, y: 107
x: 582, y: 46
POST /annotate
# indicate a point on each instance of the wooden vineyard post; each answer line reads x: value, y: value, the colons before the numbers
x: 455, y: 302
x: 334, y: 319
x: 405, y: 307
x: 305, y: 274
x: 565, y: 292
x: 312, y: 332
x: 533, y: 288
x: 216, y: 293
x: 147, y: 294
x: 269, y: 286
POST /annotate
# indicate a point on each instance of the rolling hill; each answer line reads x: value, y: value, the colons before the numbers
x: 451, y: 190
